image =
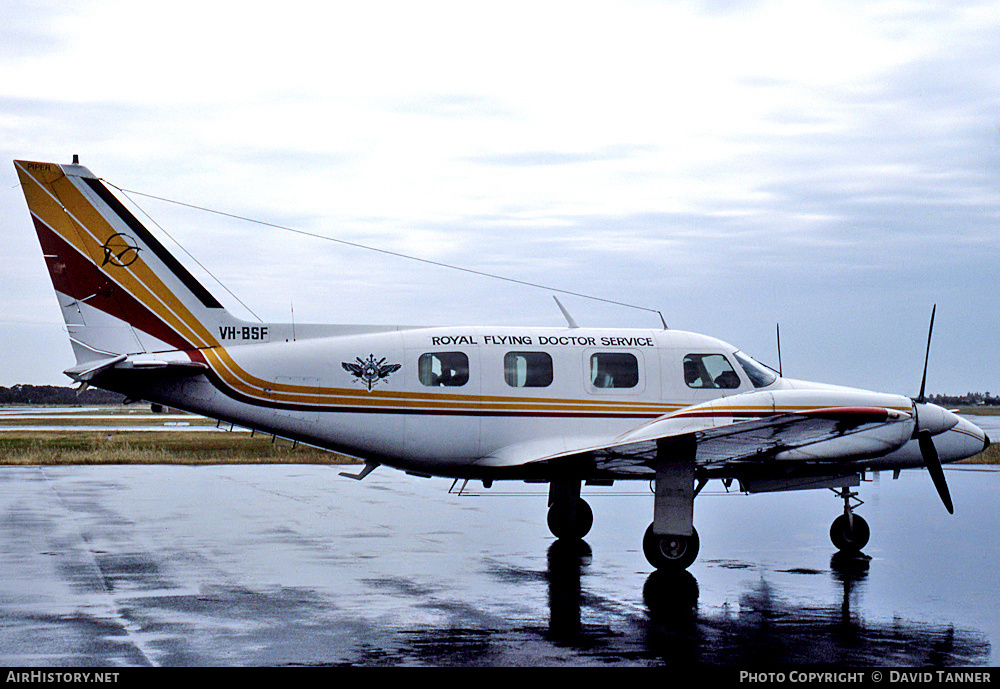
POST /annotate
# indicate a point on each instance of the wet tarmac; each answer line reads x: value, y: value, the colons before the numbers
x: 295, y: 565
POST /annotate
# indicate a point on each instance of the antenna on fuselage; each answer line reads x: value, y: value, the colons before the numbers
x: 565, y: 313
x: 777, y: 332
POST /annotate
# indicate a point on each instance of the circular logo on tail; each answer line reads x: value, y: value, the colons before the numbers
x: 120, y: 250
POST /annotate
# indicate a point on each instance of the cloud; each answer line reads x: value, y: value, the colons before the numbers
x: 619, y: 152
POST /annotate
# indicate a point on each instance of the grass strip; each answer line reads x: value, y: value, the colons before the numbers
x: 139, y: 447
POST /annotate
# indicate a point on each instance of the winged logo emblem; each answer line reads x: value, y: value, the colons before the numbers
x: 370, y: 372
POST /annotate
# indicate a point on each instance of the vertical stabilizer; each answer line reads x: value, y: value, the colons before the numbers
x: 119, y: 289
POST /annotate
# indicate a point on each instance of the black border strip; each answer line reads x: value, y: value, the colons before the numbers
x: 168, y: 259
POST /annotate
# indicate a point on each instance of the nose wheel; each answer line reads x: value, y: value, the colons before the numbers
x: 849, y: 532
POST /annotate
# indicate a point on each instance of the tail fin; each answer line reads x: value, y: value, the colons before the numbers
x: 120, y: 291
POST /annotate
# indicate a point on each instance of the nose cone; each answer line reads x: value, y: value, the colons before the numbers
x: 964, y: 440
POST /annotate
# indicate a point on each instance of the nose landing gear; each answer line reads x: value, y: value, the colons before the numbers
x: 849, y: 532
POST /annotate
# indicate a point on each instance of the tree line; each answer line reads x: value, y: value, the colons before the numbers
x: 56, y: 395
x: 969, y: 399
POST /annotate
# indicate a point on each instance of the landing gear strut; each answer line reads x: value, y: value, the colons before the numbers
x: 671, y: 542
x: 849, y: 532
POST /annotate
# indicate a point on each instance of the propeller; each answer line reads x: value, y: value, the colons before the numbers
x: 930, y: 455
x: 923, y: 380
x: 923, y: 434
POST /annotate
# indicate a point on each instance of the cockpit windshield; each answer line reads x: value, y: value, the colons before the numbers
x: 760, y: 375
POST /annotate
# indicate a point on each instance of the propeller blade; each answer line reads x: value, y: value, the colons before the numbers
x: 923, y: 379
x: 930, y: 455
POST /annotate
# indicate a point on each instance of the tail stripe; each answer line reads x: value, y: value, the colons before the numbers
x: 65, y: 209
x: 204, y: 296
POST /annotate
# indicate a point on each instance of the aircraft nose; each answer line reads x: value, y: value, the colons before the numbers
x: 964, y: 440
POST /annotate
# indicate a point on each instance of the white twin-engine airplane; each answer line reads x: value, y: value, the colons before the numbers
x: 558, y: 405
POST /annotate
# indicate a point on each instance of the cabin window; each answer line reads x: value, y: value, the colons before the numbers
x: 614, y: 370
x: 448, y: 369
x: 527, y: 369
x: 709, y: 371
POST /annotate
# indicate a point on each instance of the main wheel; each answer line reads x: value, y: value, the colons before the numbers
x: 670, y: 551
x: 570, y: 521
x: 846, y: 539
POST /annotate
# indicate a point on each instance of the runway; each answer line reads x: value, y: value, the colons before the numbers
x: 297, y: 566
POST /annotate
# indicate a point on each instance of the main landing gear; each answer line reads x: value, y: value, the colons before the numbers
x: 670, y: 551
x: 671, y: 542
x: 570, y: 517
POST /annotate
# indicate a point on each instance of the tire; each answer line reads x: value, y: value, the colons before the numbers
x: 570, y: 524
x: 845, y: 538
x: 669, y: 552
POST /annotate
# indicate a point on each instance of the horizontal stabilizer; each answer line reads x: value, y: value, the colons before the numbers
x: 85, y: 373
x: 146, y: 364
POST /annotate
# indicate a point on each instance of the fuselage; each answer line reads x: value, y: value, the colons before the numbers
x: 447, y: 400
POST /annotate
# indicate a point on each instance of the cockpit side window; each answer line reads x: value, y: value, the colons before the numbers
x: 759, y: 375
x: 709, y: 371
x: 449, y: 369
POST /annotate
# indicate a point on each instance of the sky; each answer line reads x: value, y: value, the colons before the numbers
x: 830, y: 168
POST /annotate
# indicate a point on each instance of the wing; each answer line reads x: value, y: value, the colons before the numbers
x: 831, y: 434
x: 356, y: 369
x: 791, y: 427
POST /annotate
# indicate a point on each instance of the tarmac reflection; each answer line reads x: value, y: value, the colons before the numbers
x: 762, y: 629
x: 765, y: 629
x: 566, y: 561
